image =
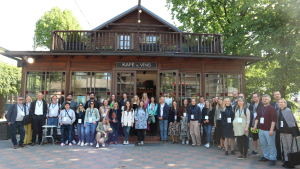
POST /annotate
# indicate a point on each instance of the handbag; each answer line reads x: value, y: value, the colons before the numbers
x: 294, y: 157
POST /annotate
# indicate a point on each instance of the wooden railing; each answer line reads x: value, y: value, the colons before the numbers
x: 135, y: 41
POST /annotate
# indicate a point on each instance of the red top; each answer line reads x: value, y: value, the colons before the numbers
x: 270, y: 116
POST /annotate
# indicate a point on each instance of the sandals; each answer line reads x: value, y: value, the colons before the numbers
x: 223, y: 149
x: 111, y: 143
x: 116, y: 143
x: 220, y: 147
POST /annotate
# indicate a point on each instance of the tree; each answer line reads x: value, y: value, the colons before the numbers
x: 10, y: 82
x: 266, y: 28
x: 54, y: 20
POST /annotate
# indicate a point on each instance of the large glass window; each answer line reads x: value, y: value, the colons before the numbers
x: 167, y: 85
x: 190, y: 86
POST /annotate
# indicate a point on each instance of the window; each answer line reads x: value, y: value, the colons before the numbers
x: 125, y: 42
x: 151, y: 39
x: 190, y: 86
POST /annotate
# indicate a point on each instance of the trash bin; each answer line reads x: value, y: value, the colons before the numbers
x: 4, y: 130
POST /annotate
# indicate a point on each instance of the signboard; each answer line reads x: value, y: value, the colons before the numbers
x: 136, y: 65
x: 168, y: 101
x: 80, y: 99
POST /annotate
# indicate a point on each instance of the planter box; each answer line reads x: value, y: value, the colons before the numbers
x: 4, y: 130
x: 150, y: 47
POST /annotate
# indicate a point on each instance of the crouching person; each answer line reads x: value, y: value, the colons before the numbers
x: 103, y: 129
x: 66, y: 120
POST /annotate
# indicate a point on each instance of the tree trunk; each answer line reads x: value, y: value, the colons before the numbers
x: 2, y: 106
x: 282, y: 91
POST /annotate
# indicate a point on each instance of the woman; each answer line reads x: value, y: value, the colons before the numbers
x: 174, y: 121
x: 135, y: 102
x: 240, y: 127
x: 227, y: 118
x: 127, y: 120
x: 185, y: 130
x: 27, y: 126
x: 288, y: 129
x: 141, y: 119
x: 114, y: 120
x: 152, y: 110
x: 207, y: 121
x: 104, y: 110
x: 90, y: 119
x: 146, y: 102
x: 218, y: 124
x: 112, y: 100
x: 103, y: 129
x: 80, y: 114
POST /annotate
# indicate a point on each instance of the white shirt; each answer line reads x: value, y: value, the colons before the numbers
x: 20, y: 113
x: 162, y: 109
x: 201, y: 106
x: 53, y: 110
x: 38, y: 108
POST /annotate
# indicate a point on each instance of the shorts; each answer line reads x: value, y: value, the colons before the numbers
x: 254, y: 136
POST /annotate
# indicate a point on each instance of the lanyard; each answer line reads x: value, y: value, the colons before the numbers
x: 80, y: 112
x: 255, y: 107
x: 193, y: 109
x: 91, y: 112
x: 127, y: 112
x: 67, y: 111
x: 276, y: 106
x: 207, y: 112
x: 240, y: 113
x: 20, y: 107
x: 263, y: 112
x: 104, y: 109
x: 228, y: 112
x: 39, y: 104
x: 28, y: 106
x: 281, y: 115
x: 54, y: 106
x: 116, y: 112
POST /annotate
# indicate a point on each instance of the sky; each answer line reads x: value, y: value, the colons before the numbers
x: 18, y: 17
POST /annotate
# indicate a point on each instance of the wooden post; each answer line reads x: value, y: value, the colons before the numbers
x: 68, y: 76
x: 23, y: 81
x: 221, y: 43
x: 139, y: 8
x: 52, y: 40
x: 203, y: 80
x: 243, y: 80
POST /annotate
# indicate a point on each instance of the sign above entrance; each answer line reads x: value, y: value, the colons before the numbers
x: 136, y: 65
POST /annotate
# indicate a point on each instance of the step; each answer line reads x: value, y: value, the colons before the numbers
x: 148, y: 139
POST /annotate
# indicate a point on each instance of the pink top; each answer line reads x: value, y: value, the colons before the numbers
x: 146, y: 103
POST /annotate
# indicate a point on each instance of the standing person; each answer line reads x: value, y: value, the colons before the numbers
x: 194, y: 122
x: 146, y: 102
x: 135, y: 102
x: 254, y: 106
x: 80, y: 114
x: 208, y: 121
x: 240, y: 127
x: 185, y: 130
x: 163, y: 115
x: 114, y: 120
x: 90, y: 119
x: 104, y: 110
x: 266, y: 118
x: 38, y: 111
x: 201, y: 105
x: 218, y: 124
x: 123, y: 101
x: 28, y: 122
x: 15, y: 119
x: 127, y: 120
x: 141, y: 120
x: 174, y: 121
x: 152, y: 111
x: 288, y: 127
x: 73, y: 106
x: 52, y: 118
x: 92, y: 98
x: 277, y: 97
x: 112, y: 101
x: 227, y: 119
x: 234, y: 98
x: 66, y: 120
x: 103, y: 130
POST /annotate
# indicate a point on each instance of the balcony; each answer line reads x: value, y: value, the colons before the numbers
x: 136, y: 41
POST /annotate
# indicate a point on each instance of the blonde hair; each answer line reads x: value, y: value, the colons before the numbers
x: 224, y: 106
x: 244, y: 105
x: 115, y: 103
x: 285, y: 102
x: 137, y: 101
x: 217, y: 107
x: 210, y: 108
x: 107, y: 121
x: 146, y: 97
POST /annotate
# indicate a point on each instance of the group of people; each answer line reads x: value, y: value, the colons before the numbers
x: 232, y: 119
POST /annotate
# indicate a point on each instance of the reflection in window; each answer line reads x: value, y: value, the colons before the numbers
x: 190, y: 86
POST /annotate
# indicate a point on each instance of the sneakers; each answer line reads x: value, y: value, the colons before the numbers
x: 124, y: 143
x: 97, y: 145
x: 226, y: 153
x: 67, y: 142
x: 139, y: 144
x: 182, y: 142
x: 86, y: 144
x: 233, y: 153
x: 70, y: 144
x: 187, y: 143
x: 272, y: 162
x: 82, y: 144
x: 253, y: 153
x: 207, y: 145
x: 62, y: 144
x: 264, y: 159
x: 91, y: 144
x: 127, y: 142
x: 142, y: 142
x: 79, y: 142
x: 103, y: 145
x: 74, y: 142
x: 241, y: 157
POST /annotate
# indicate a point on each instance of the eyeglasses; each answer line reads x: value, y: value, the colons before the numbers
x: 80, y: 105
x: 20, y: 99
x: 92, y: 103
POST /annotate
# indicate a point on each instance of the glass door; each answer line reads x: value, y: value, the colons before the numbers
x: 168, y: 85
x: 125, y: 82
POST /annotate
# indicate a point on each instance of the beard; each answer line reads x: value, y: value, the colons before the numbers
x: 69, y: 99
x: 265, y: 103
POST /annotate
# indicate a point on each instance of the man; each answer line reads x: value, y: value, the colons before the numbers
x: 163, y: 114
x: 38, y: 111
x: 123, y: 101
x: 66, y: 120
x: 52, y: 118
x: 194, y: 121
x: 234, y: 99
x: 92, y: 98
x: 277, y: 97
x: 201, y: 105
x: 254, y: 106
x: 15, y: 119
x: 73, y: 106
x: 266, y: 118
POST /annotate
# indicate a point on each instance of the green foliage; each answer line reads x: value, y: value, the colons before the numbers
x: 266, y: 28
x: 10, y: 79
x: 54, y: 20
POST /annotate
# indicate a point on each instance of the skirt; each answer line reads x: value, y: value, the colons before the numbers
x: 174, y: 129
x: 228, y: 131
x: 219, y: 130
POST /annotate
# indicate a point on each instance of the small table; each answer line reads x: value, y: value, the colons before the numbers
x: 49, y: 126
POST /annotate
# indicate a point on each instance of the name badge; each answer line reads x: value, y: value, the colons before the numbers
x: 228, y: 120
x: 122, y: 108
x: 90, y: 120
x: 192, y: 116
x: 79, y: 121
x: 240, y: 120
x: 104, y: 115
x: 175, y: 117
x: 281, y: 125
x: 206, y: 117
x: 22, y: 113
x: 262, y: 120
x: 220, y: 116
x: 255, y: 114
x: 184, y: 114
x: 65, y: 119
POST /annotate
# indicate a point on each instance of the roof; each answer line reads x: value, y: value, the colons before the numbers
x: 4, y: 51
x: 131, y: 10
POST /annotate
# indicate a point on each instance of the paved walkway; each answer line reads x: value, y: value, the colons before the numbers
x: 119, y: 156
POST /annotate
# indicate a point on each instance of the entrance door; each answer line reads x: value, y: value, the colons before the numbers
x: 125, y: 82
x: 168, y: 85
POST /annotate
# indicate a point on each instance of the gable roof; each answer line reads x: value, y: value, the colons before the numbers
x: 131, y: 10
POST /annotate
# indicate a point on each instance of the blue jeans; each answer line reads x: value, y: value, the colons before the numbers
x: 115, y: 128
x: 64, y: 128
x: 54, y: 122
x: 90, y: 128
x: 80, y: 131
x: 163, y: 125
x: 72, y: 133
x: 268, y: 144
x: 127, y: 129
x: 20, y: 126
x: 207, y: 129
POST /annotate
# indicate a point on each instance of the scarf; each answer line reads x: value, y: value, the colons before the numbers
x: 288, y: 116
x: 151, y: 112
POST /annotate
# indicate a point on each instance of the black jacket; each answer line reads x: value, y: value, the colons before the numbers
x: 117, y: 118
x: 225, y: 116
x: 211, y: 115
x: 97, y: 104
x: 197, y: 114
x: 32, y: 108
x: 77, y: 117
x: 172, y: 115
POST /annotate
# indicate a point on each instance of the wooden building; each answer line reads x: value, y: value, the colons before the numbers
x: 134, y: 52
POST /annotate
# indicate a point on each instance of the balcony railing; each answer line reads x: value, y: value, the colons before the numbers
x: 135, y: 41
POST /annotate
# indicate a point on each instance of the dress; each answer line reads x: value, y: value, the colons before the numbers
x: 141, y: 118
x: 240, y: 127
x: 185, y: 130
x: 228, y: 127
x: 174, y: 129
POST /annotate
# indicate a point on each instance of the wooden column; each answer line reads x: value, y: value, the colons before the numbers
x: 139, y: 8
x: 68, y: 76
x: 203, y: 80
